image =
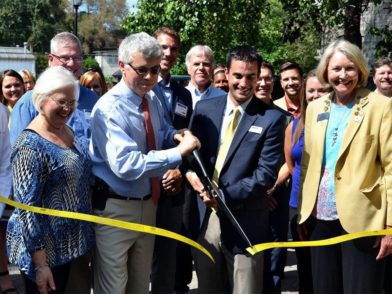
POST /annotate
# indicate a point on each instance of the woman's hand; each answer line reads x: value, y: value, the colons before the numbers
x: 44, y: 279
x: 385, y: 243
x: 43, y: 274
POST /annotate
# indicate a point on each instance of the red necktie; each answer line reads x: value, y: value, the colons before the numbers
x: 155, y: 185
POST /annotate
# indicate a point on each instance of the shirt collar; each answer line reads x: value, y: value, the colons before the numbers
x: 196, y: 90
x: 164, y: 83
x: 291, y: 107
x: 230, y: 106
x: 129, y: 94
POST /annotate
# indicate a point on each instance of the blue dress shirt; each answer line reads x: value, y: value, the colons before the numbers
x: 165, y: 95
x: 210, y: 92
x: 24, y: 112
x: 118, y: 145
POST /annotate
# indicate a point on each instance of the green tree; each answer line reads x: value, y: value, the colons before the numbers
x: 384, y: 47
x: 331, y: 17
x: 41, y: 63
x: 220, y: 24
x: 277, y: 47
x: 225, y: 24
x: 99, y: 25
x: 91, y: 63
x: 35, y: 21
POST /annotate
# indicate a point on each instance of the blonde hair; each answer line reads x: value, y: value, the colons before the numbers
x: 352, y: 52
x: 28, y: 74
x: 52, y: 80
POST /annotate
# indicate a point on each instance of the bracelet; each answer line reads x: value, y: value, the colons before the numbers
x: 40, y: 267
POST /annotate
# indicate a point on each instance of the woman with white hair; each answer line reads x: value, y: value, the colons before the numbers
x: 50, y: 168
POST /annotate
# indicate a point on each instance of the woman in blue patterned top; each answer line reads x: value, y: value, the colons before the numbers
x: 51, y: 169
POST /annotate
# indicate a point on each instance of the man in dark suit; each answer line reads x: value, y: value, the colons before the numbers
x: 177, y: 103
x: 242, y: 143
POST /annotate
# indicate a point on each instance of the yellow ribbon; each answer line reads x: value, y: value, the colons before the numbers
x: 331, y: 241
x: 165, y: 233
x: 108, y: 222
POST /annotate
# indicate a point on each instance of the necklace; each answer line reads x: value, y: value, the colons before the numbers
x: 342, y: 113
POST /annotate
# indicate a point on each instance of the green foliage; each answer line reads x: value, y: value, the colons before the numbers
x: 35, y: 21
x: 99, y: 25
x: 225, y: 24
x: 384, y: 47
x: 220, y: 24
x: 41, y: 63
x: 91, y: 63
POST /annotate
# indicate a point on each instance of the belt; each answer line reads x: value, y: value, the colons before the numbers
x: 113, y: 195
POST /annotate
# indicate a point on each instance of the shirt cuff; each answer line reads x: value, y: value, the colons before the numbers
x: 174, y: 156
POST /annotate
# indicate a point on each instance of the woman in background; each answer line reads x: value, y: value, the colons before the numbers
x: 293, y: 148
x: 6, y: 284
x: 51, y: 169
x: 95, y: 81
x: 294, y: 140
x: 12, y: 88
x: 219, y: 78
x: 28, y: 79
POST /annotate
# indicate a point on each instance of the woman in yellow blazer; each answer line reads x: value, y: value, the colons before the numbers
x: 346, y: 175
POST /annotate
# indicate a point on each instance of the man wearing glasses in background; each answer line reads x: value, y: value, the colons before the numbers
x: 128, y: 147
x: 65, y: 51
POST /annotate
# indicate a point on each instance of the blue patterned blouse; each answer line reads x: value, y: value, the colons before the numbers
x: 47, y: 175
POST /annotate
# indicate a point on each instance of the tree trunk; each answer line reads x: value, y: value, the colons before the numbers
x: 352, y: 24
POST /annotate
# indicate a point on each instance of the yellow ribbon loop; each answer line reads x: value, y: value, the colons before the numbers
x: 108, y: 222
x: 331, y: 241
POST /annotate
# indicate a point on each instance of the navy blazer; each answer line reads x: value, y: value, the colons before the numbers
x: 180, y: 95
x: 251, y: 166
x: 184, y: 97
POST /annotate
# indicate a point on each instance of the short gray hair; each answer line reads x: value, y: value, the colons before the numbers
x: 141, y: 43
x: 352, y: 52
x: 199, y: 50
x: 64, y: 39
x: 53, y: 80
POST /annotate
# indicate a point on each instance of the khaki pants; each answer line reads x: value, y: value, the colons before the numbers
x: 122, y: 259
x: 231, y: 273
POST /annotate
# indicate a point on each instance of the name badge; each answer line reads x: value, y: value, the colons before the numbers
x: 256, y: 129
x: 323, y: 116
x: 181, y: 109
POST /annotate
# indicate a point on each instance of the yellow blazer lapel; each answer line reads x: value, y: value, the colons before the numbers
x: 355, y: 121
x: 322, y: 118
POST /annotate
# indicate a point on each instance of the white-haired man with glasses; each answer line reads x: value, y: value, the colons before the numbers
x: 128, y: 147
x: 65, y: 51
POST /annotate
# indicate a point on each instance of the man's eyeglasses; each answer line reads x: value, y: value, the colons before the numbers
x: 66, y: 59
x: 142, y: 71
x: 64, y: 103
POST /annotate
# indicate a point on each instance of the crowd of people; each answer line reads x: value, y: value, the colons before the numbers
x: 313, y: 164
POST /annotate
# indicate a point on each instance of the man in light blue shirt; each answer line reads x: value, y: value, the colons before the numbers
x: 200, y: 64
x: 66, y: 51
x: 125, y: 165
